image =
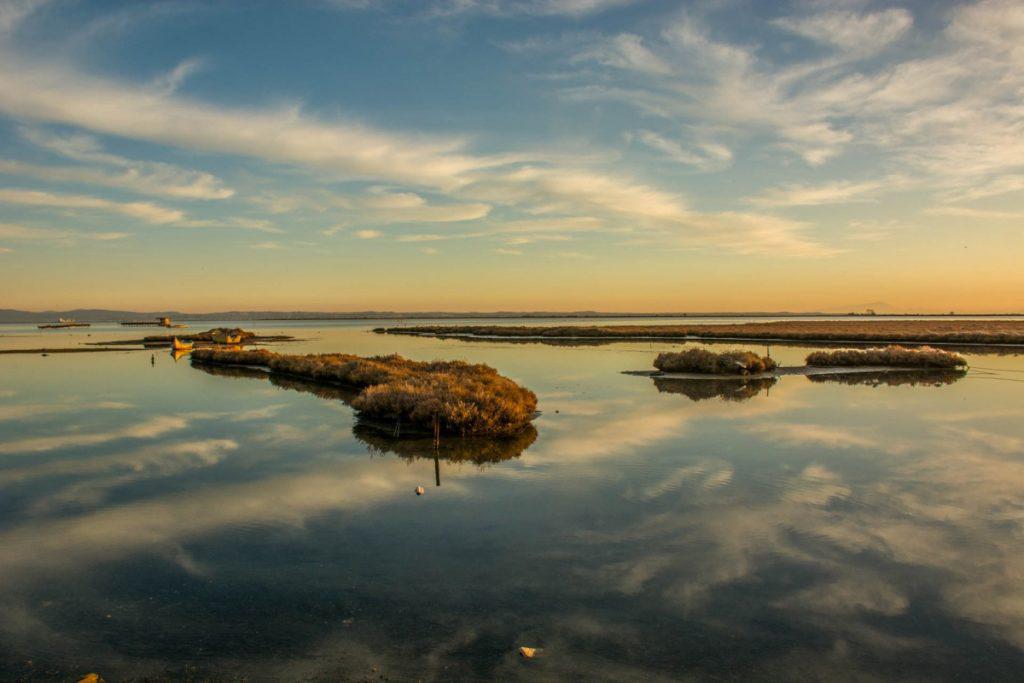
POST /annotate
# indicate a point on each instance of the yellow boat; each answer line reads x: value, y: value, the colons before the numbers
x: 225, y: 338
x: 179, y: 345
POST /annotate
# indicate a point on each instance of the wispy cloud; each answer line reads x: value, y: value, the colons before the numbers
x: 145, y: 177
x: 812, y: 195
x: 568, y: 8
x: 625, y: 51
x: 703, y: 155
x: 975, y: 214
x: 14, y: 231
x: 150, y: 213
x: 60, y: 94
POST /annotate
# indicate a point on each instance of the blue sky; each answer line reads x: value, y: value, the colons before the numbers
x: 512, y: 154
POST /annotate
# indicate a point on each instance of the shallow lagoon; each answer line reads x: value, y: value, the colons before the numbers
x: 159, y: 520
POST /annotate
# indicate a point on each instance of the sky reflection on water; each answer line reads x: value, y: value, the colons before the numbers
x: 157, y: 519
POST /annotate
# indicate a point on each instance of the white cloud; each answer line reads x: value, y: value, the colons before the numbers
x: 151, y: 213
x: 408, y: 207
x: 20, y: 232
x: 625, y: 51
x: 170, y: 81
x: 706, y: 156
x: 204, y: 186
x: 976, y: 214
x: 568, y: 8
x: 367, y: 234
x: 852, y: 32
x: 12, y: 12
x: 812, y: 195
x: 241, y: 222
x: 945, y: 111
x: 146, y: 177
x: 47, y: 92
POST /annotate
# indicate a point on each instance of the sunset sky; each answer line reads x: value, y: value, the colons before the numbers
x: 453, y: 155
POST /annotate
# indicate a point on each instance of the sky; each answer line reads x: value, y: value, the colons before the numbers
x: 483, y: 155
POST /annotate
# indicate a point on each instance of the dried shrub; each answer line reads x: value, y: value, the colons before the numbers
x: 890, y: 356
x: 733, y: 362
x: 451, y: 397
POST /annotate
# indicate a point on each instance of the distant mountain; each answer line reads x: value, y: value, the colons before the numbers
x: 96, y: 315
x: 100, y: 315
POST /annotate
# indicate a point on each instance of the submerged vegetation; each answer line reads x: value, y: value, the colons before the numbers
x: 890, y: 356
x: 734, y: 362
x: 993, y: 332
x: 451, y: 397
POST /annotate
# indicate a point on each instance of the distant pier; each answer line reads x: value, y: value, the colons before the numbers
x: 155, y: 322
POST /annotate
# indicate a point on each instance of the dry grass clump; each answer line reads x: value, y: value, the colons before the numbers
x: 451, y: 397
x: 733, y: 362
x: 890, y: 356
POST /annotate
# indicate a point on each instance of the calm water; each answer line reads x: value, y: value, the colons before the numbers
x: 158, y: 520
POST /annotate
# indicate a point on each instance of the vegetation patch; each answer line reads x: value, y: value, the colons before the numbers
x: 208, y: 336
x: 706, y: 362
x: 450, y: 397
x: 212, y: 336
x: 953, y: 331
x: 890, y: 356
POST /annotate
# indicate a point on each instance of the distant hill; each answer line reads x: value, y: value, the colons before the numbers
x: 99, y: 315
x: 96, y: 315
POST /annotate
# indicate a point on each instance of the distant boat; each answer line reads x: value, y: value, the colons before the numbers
x: 225, y: 338
x: 179, y: 345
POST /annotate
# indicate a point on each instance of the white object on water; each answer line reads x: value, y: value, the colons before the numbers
x: 420, y: 490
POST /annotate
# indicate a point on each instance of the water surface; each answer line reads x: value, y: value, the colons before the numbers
x: 159, y: 520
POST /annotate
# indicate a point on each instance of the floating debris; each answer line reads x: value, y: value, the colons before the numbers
x: 530, y: 652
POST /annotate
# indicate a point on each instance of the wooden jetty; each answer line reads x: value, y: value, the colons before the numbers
x: 155, y: 322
